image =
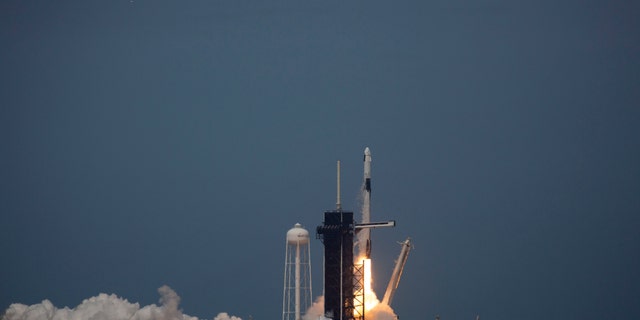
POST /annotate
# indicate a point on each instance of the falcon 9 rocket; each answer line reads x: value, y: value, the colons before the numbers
x: 364, y: 238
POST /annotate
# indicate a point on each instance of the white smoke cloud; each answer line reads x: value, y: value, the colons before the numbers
x: 225, y: 316
x: 316, y: 311
x: 107, y: 307
x: 379, y: 312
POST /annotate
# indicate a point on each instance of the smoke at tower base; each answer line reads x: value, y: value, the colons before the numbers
x: 107, y: 307
x: 379, y: 312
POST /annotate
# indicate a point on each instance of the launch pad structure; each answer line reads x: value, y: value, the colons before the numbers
x: 346, y: 282
x: 337, y: 236
x: 342, y: 277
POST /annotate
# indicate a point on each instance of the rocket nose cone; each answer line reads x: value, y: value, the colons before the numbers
x: 367, y: 152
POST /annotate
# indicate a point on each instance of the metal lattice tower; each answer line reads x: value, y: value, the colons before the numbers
x: 359, y: 291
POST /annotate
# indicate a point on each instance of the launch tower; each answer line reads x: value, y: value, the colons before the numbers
x: 337, y: 236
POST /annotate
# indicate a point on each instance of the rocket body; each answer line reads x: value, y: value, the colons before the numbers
x: 365, y: 234
x: 367, y: 170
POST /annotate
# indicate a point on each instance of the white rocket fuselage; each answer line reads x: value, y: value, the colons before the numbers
x: 365, y: 234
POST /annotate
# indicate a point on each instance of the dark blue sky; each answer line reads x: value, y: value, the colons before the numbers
x: 147, y: 143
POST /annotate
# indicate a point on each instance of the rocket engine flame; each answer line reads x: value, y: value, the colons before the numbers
x: 370, y: 297
x: 373, y: 308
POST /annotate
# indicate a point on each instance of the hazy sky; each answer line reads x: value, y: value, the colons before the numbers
x: 146, y: 143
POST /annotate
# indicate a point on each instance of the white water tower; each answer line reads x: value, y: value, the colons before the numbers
x: 296, y: 297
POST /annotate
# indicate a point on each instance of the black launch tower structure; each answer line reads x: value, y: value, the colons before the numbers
x: 337, y: 233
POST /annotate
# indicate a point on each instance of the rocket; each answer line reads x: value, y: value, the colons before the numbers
x: 365, y: 238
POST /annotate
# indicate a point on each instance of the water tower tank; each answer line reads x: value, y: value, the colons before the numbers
x: 297, y: 235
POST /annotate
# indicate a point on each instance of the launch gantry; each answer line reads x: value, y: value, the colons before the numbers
x: 341, y: 276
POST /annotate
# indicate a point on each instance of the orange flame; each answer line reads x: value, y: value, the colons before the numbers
x: 370, y: 298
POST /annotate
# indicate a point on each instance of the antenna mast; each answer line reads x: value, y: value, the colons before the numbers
x: 338, y: 204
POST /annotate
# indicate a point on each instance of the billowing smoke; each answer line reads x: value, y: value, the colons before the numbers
x: 316, y: 311
x: 107, y: 307
x: 379, y: 312
x: 225, y: 316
